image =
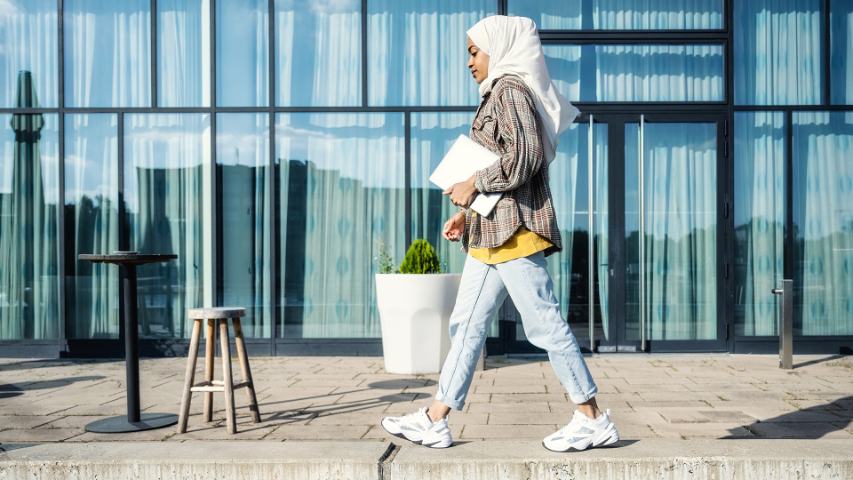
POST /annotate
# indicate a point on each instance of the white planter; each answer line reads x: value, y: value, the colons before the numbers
x: 414, y: 311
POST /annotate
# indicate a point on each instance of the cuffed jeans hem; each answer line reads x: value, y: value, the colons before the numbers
x: 579, y: 398
x: 453, y: 405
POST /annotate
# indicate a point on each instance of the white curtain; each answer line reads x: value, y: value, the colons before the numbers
x: 342, y: 192
x: 637, y: 73
x: 823, y: 206
x: 28, y: 34
x: 681, y: 231
x: 759, y: 219
x: 417, y: 51
x: 107, y: 53
x: 29, y: 284
x: 318, y: 52
x: 242, y: 157
x: 183, y: 56
x: 778, y: 52
x: 164, y: 159
x: 91, y: 192
x: 621, y: 14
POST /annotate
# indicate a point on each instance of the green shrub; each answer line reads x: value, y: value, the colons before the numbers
x: 421, y: 258
x: 384, y: 260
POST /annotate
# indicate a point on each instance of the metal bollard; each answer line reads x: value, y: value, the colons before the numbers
x: 786, y: 324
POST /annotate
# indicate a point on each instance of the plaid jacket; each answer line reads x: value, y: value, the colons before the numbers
x: 507, y: 124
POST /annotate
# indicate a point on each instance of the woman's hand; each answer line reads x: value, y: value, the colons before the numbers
x: 454, y: 227
x: 462, y: 193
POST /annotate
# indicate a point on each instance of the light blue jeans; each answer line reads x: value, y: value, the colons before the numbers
x: 481, y: 292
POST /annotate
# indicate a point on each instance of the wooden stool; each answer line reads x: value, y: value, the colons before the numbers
x: 218, y: 316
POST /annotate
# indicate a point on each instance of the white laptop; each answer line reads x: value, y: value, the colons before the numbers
x: 460, y: 162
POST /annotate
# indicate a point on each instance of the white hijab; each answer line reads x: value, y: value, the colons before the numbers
x: 514, y: 48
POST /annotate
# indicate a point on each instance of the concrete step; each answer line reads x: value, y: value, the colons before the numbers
x: 659, y: 459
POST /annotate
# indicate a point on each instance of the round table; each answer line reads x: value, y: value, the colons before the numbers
x: 133, y: 421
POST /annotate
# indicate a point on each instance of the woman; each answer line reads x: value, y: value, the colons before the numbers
x: 520, y: 118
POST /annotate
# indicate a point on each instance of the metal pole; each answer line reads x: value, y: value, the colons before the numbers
x: 786, y: 324
x: 642, y: 246
x: 590, y: 242
x: 131, y: 334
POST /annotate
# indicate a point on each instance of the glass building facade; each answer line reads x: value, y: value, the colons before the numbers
x: 276, y: 145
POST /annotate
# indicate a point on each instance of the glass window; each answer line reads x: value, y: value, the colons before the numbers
x: 841, y: 52
x: 164, y: 159
x: 823, y: 223
x: 242, y: 160
x: 621, y: 14
x: 183, y: 53
x: 242, y: 66
x: 107, y: 53
x: 416, y: 51
x: 637, y: 73
x: 759, y: 213
x: 28, y: 32
x: 342, y: 196
x: 91, y: 223
x: 29, y: 209
x: 778, y: 51
x: 318, y: 52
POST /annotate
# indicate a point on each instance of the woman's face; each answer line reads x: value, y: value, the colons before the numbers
x: 478, y: 62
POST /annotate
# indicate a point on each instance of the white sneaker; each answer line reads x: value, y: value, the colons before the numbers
x: 419, y: 428
x: 582, y: 433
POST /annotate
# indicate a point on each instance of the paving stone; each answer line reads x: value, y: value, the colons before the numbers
x: 318, y: 432
x: 517, y: 432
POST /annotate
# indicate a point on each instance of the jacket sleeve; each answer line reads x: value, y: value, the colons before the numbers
x: 524, y: 153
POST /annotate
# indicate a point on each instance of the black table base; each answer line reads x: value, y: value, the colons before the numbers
x: 120, y: 424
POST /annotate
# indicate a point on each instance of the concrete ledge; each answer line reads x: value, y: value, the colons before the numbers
x: 209, y: 460
x: 653, y: 459
x: 493, y: 460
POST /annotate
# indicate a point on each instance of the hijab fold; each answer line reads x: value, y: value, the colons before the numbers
x: 513, y: 46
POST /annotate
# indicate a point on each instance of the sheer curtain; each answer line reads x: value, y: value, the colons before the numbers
x: 318, y: 52
x: 91, y: 209
x: 823, y: 215
x: 759, y: 211
x: 342, y: 180
x: 621, y: 14
x: 107, y: 53
x: 416, y: 51
x: 681, y: 231
x: 183, y: 53
x: 164, y: 159
x: 28, y: 34
x: 29, y: 294
x: 778, y: 52
x: 242, y: 58
x: 242, y: 158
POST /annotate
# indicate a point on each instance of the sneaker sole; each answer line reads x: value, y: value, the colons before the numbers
x: 612, y: 439
x: 417, y: 442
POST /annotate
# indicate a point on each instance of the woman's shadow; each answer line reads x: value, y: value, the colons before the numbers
x: 807, y: 423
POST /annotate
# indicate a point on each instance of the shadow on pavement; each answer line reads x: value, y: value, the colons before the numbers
x: 806, y: 423
x: 18, y: 388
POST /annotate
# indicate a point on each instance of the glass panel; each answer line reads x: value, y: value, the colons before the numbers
x: 621, y: 14
x: 28, y: 30
x: 183, y: 53
x: 318, y: 52
x: 778, y: 52
x: 242, y: 158
x: 432, y: 135
x: 107, y: 53
x: 637, y: 73
x: 342, y: 181
x: 416, y: 51
x: 841, y: 51
x: 680, y: 225
x: 164, y: 157
x: 91, y: 223
x: 759, y: 212
x: 823, y: 223
x: 242, y: 40
x: 29, y: 200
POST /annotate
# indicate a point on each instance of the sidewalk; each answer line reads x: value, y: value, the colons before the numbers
x: 666, y: 404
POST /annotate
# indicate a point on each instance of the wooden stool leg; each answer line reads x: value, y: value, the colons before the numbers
x: 247, y: 372
x: 209, y: 356
x: 189, y: 377
x: 230, y: 417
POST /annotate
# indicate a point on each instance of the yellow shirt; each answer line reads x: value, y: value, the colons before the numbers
x: 522, y: 244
